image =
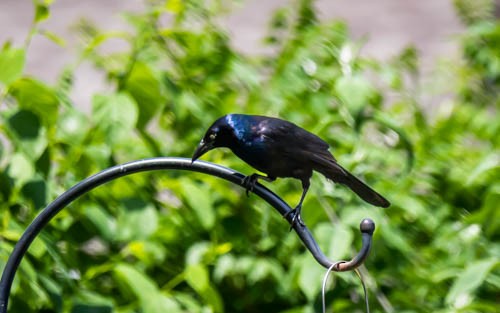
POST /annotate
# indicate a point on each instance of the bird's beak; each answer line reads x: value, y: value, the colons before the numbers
x: 203, y: 147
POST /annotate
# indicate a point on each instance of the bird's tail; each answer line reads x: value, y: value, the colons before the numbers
x: 332, y: 170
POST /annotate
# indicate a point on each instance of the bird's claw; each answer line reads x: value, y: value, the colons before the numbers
x: 295, y: 218
x: 249, y: 183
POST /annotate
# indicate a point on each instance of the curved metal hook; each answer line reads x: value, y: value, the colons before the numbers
x: 367, y: 226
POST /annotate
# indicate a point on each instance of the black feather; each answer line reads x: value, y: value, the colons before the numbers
x: 282, y: 149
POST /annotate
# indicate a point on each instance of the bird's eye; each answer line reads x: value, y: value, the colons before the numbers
x: 212, y: 136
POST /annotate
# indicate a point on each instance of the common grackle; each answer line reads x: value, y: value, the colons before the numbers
x: 281, y: 149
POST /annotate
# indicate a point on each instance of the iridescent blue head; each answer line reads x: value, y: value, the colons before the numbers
x: 220, y: 134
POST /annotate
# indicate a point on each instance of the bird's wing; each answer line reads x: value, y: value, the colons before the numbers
x: 290, y: 135
x: 301, y: 144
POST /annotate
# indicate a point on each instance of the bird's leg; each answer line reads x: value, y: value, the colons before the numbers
x: 250, y: 181
x: 296, y: 218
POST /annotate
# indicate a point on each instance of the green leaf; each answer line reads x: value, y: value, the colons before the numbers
x: 310, y: 277
x: 395, y: 238
x: 25, y: 124
x: 36, y: 97
x: 41, y: 11
x: 335, y: 240
x: 88, y: 301
x: 11, y: 64
x: 264, y: 270
x: 148, y: 252
x: 197, y: 252
x: 91, y: 308
x: 150, y: 298
x: 197, y: 277
x: 138, y: 220
x: 198, y: 198
x: 490, y: 214
x: 2, y: 150
x: 145, y: 88
x: 38, y: 248
x: 174, y: 6
x: 408, y: 59
x: 470, y: 279
x: 115, y: 115
x: 53, y: 37
x: 105, y: 224
x: 489, y: 163
x: 403, y: 138
x: 224, y: 267
x: 21, y: 169
x: 43, y: 164
x: 72, y: 127
x: 99, y: 154
x: 53, y: 290
x: 35, y: 191
x: 5, y: 185
x: 31, y: 135
x: 355, y: 91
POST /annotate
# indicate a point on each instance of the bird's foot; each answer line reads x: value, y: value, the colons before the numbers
x: 249, y: 182
x: 296, y: 218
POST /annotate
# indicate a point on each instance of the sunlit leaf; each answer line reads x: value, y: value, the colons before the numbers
x: 310, y: 277
x: 355, y: 91
x: 105, y: 224
x: 38, y: 248
x: 138, y: 221
x: 489, y: 163
x: 21, y: 169
x: 224, y: 267
x: 41, y: 11
x: 145, y: 88
x: 148, y: 252
x: 264, y: 270
x: 11, y: 64
x: 35, y: 96
x: 470, y: 279
x: 72, y: 127
x: 197, y: 252
x: 336, y: 240
x: 151, y: 300
x: 197, y: 277
x: 116, y: 115
x: 53, y: 289
x: 175, y: 6
x: 53, y: 37
x: 200, y: 201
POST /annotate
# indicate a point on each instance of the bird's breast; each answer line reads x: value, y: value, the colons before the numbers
x: 254, y: 154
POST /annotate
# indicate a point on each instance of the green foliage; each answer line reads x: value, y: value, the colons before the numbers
x: 184, y: 242
x: 472, y: 11
x: 12, y: 64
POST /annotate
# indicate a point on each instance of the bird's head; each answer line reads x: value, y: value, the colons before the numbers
x: 217, y: 135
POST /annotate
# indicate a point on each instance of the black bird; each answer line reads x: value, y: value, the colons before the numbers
x: 281, y: 149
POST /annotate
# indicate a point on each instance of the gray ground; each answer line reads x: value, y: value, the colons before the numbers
x: 389, y: 25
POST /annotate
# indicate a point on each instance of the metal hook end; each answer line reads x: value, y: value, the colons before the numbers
x: 367, y: 226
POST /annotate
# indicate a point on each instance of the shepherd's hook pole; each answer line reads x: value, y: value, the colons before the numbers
x: 367, y: 226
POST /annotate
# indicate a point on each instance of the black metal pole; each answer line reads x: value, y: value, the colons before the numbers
x: 367, y: 226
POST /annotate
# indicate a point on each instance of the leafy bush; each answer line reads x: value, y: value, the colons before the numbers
x: 178, y: 242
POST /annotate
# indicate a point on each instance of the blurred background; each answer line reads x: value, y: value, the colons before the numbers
x: 406, y: 94
x: 384, y: 27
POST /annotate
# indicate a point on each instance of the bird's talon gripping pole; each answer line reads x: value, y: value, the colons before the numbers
x: 367, y: 226
x: 293, y: 218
